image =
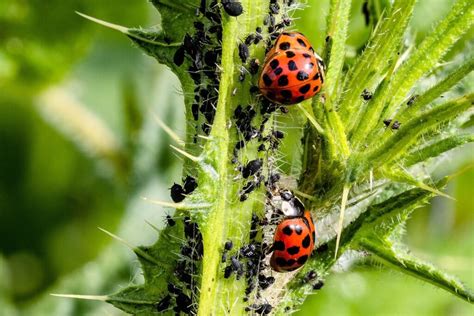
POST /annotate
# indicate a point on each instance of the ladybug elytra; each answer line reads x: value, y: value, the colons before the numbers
x: 294, y: 237
x: 292, y: 71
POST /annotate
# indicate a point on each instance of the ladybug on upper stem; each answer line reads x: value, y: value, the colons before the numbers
x: 292, y: 71
x: 294, y: 237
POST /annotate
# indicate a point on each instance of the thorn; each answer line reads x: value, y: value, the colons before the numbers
x: 137, y: 250
x: 345, y: 194
x: 153, y: 226
x: 102, y: 298
x: 168, y: 130
x: 426, y: 187
x: 205, y: 137
x: 179, y: 206
x: 311, y: 119
x: 371, y: 179
x: 187, y: 155
x: 125, y: 30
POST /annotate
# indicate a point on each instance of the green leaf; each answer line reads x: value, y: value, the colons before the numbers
x: 372, y: 65
x: 407, y: 135
x: 443, y: 85
x: 425, y: 57
x: 437, y: 148
x: 338, y: 21
x: 395, y: 255
x: 430, y: 51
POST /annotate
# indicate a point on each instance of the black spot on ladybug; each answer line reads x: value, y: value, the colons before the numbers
x: 305, y: 88
x: 285, y: 46
x: 316, y: 87
x: 306, y: 241
x: 283, y: 81
x: 279, y: 245
x: 271, y: 95
x: 287, y: 230
x: 292, y: 65
x: 301, y: 42
x: 177, y: 193
x: 301, y: 76
x: 266, y: 80
x: 278, y: 71
x: 290, y: 262
x: 286, y: 94
x: 300, y: 99
x: 316, y: 76
x: 302, y: 259
x: 293, y: 250
x: 274, y: 63
x: 290, y: 54
x: 280, y: 261
x: 306, y: 55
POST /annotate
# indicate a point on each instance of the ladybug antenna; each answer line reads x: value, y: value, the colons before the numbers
x: 345, y: 193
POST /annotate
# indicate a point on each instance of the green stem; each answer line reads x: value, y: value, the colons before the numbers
x: 229, y: 218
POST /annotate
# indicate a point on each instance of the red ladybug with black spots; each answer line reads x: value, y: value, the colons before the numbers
x: 292, y: 71
x: 294, y: 237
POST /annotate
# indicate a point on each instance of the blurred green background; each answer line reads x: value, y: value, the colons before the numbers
x: 79, y: 146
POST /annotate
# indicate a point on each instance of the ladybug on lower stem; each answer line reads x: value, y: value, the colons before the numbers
x: 292, y: 71
x: 294, y: 237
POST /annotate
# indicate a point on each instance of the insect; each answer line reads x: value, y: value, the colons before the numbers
x: 233, y: 8
x: 292, y: 71
x: 366, y: 95
x: 294, y: 237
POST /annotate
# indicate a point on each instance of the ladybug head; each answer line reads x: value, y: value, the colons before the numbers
x: 286, y: 202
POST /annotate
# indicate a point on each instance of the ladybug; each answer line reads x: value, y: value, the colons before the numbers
x: 294, y: 237
x: 292, y: 71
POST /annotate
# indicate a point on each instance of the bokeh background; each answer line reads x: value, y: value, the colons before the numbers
x: 80, y: 146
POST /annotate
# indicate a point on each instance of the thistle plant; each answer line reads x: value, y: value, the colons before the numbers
x: 359, y: 153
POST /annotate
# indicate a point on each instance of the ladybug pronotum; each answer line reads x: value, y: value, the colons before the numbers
x: 292, y: 71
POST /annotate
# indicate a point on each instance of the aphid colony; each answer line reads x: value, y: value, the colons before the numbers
x: 291, y: 72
